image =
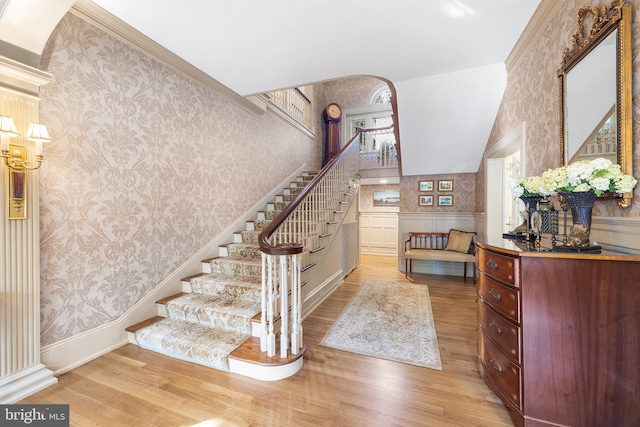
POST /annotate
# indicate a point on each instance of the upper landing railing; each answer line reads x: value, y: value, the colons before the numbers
x: 378, y: 149
x: 294, y: 236
x: 295, y: 103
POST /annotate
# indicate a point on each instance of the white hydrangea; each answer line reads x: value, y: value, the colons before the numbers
x: 599, y: 175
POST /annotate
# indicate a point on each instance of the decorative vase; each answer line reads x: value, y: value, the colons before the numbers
x: 581, y: 205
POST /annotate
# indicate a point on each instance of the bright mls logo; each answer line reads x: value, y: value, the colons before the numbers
x: 34, y: 415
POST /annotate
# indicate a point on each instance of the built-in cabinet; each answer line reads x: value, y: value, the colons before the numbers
x: 379, y: 233
x: 559, y: 335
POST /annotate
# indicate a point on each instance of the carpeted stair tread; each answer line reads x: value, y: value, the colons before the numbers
x: 214, y: 311
x: 261, y: 224
x: 227, y: 286
x: 244, y: 249
x: 269, y: 215
x: 191, y: 342
x: 237, y: 266
x: 250, y: 236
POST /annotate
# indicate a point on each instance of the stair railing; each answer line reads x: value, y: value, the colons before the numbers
x: 290, y: 239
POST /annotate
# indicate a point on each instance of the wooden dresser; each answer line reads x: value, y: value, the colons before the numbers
x: 559, y: 334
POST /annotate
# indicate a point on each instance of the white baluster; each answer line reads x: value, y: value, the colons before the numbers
x: 284, y: 311
x: 271, y: 338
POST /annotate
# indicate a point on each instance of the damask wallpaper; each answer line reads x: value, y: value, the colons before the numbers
x: 146, y: 167
x: 464, y: 198
x: 532, y: 96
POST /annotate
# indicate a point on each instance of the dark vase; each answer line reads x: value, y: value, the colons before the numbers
x: 581, y: 205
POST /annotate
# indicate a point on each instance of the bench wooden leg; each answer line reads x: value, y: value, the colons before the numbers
x: 408, y: 265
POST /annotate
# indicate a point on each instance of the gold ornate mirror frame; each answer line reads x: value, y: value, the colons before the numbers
x: 595, y: 24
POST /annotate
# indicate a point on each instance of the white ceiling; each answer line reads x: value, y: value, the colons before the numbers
x: 444, y: 57
x: 253, y: 46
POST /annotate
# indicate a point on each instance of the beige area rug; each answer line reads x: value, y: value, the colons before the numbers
x: 388, y: 320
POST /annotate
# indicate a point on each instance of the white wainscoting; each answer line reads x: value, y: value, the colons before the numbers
x: 435, y: 221
x: 379, y: 233
x: 617, y: 234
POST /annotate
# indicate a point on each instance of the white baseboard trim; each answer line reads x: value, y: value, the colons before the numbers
x: 321, y: 293
x: 82, y: 348
x: 19, y: 385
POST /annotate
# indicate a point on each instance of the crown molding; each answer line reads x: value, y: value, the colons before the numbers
x: 99, y: 17
x: 22, y: 78
x: 546, y: 11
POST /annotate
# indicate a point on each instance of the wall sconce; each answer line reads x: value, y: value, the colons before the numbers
x: 14, y: 158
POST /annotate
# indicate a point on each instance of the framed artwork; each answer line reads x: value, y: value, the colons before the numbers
x: 386, y: 198
x: 426, y: 200
x: 446, y: 200
x: 425, y: 186
x: 445, y: 185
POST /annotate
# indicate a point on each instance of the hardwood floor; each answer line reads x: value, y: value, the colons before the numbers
x: 135, y: 387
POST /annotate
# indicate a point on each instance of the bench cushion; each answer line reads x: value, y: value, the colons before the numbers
x: 439, y: 255
x: 460, y: 241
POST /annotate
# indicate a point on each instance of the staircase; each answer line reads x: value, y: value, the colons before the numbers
x: 215, y: 320
x: 243, y: 313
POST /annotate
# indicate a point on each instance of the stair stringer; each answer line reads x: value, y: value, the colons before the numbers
x: 328, y: 275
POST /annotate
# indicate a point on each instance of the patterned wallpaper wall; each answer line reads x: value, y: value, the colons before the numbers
x: 464, y: 198
x: 532, y: 96
x: 146, y: 168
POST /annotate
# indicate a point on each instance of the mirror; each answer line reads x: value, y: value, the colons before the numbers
x: 595, y: 89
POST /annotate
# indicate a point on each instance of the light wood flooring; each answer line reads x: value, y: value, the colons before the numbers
x: 135, y: 387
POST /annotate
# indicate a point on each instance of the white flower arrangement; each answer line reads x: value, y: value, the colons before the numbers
x: 529, y: 186
x: 598, y: 175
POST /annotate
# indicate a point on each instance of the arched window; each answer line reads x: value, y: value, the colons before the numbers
x: 381, y: 96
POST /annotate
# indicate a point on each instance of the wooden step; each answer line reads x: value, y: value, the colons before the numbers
x: 134, y: 328
x: 186, y: 281
x: 248, y: 360
x: 250, y: 352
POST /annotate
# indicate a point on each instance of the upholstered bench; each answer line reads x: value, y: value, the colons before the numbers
x: 454, y: 246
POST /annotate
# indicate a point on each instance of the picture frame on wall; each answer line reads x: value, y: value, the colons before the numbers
x: 426, y: 200
x: 445, y: 185
x: 425, y: 186
x: 445, y: 200
x: 386, y: 198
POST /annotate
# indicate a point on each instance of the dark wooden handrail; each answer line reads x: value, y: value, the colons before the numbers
x: 296, y: 248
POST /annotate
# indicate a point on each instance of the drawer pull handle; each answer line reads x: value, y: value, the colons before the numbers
x: 492, y: 264
x: 495, y: 328
x: 495, y: 294
x: 495, y: 365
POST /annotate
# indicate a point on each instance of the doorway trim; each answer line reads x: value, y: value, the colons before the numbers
x: 508, y: 146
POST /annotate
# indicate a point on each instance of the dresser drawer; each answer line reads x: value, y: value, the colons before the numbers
x: 504, y: 373
x: 504, y: 299
x: 504, y: 334
x: 501, y: 267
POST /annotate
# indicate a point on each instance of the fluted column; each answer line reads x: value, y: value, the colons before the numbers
x: 21, y: 372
